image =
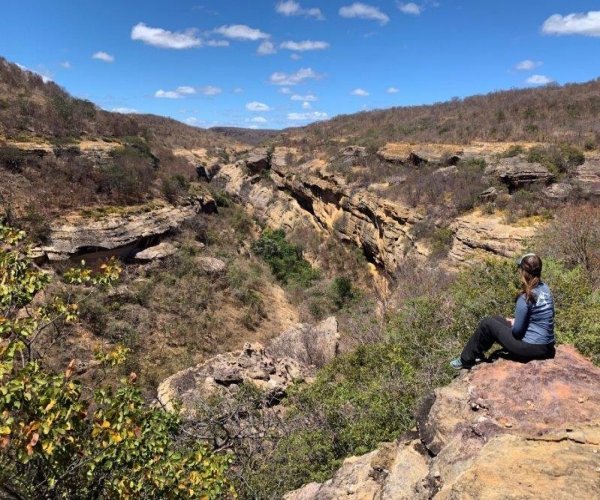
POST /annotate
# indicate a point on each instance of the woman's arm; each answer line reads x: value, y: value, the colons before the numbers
x: 521, y: 320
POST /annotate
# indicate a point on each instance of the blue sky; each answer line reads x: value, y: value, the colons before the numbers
x: 273, y: 64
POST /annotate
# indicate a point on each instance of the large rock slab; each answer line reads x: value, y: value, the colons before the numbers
x: 160, y: 251
x: 550, y: 400
x: 478, y: 236
x: 529, y: 399
x: 309, y: 344
x: 516, y: 172
x: 514, y: 467
x: 416, y: 154
x: 85, y: 231
x: 258, y: 160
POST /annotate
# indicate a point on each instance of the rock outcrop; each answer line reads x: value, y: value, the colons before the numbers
x: 224, y: 374
x: 502, y: 430
x: 113, y: 229
x: 310, y: 195
x: 258, y: 160
x: 290, y: 357
x: 416, y: 154
x: 588, y: 176
x: 477, y: 235
x: 308, y: 344
x: 516, y: 172
x: 160, y: 251
x: 211, y: 265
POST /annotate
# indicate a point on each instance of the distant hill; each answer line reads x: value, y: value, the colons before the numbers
x: 250, y: 136
x: 31, y: 107
x: 553, y: 113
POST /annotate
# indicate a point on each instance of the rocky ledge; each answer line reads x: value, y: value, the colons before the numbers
x: 87, y: 231
x: 477, y: 236
x: 504, y: 430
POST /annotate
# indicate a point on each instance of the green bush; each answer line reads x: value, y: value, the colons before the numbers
x: 356, y: 402
x: 441, y: 241
x: 174, y: 187
x: 558, y: 159
x: 285, y: 259
x: 342, y: 291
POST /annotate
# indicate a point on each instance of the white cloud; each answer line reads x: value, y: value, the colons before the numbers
x: 210, y: 90
x: 291, y: 8
x: 528, y: 65
x: 279, y: 78
x: 257, y: 106
x: 360, y: 92
x: 304, y: 45
x: 306, y: 105
x: 410, y: 8
x: 392, y: 90
x: 167, y: 94
x: 294, y: 56
x: 185, y: 90
x: 259, y: 119
x: 65, y: 65
x: 265, y: 48
x: 103, y: 56
x: 165, y: 39
x: 192, y: 120
x: 307, y: 97
x: 125, y: 111
x: 178, y: 93
x: 238, y: 90
x: 364, y: 11
x: 241, y: 32
x: 216, y: 43
x: 586, y: 24
x: 539, y: 80
x: 311, y: 116
x: 285, y: 90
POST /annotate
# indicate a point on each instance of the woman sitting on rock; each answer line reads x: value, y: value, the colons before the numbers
x: 530, y: 334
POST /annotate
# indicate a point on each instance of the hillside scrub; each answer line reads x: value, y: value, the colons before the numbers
x: 56, y: 442
x: 549, y: 114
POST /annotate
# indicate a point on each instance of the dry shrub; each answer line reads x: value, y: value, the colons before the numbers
x: 573, y: 237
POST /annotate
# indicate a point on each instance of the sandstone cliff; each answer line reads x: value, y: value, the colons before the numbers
x: 309, y: 194
x: 502, y: 430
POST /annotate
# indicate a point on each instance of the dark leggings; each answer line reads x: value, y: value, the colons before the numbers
x: 497, y: 329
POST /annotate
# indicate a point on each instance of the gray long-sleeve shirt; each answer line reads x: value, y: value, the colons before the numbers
x: 534, y: 322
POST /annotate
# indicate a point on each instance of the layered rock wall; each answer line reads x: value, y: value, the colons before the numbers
x: 307, y: 194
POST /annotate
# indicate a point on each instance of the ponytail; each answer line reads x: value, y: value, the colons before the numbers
x: 531, y: 267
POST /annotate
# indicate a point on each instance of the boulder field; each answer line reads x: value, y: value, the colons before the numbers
x: 503, y: 430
